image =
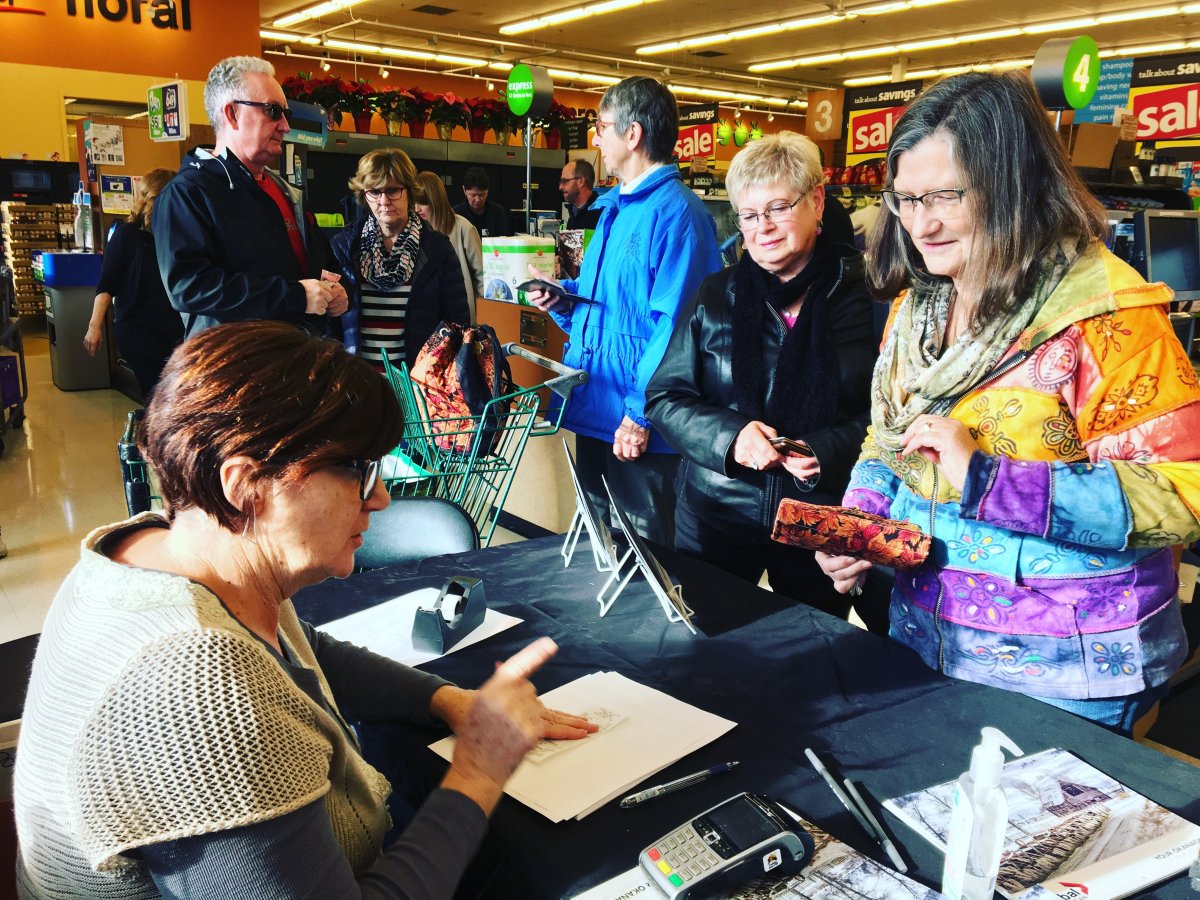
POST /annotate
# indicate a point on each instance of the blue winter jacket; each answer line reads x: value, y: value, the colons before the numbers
x: 652, y: 248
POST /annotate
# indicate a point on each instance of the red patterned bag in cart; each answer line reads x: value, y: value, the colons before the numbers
x: 458, y: 372
x: 844, y: 531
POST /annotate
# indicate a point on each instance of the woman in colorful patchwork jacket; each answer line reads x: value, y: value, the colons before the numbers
x: 1032, y: 410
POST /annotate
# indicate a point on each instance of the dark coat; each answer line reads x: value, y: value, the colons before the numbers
x: 437, y: 294
x: 223, y: 250
x: 691, y: 401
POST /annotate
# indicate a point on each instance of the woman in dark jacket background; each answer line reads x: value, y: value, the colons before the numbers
x: 146, y: 327
x: 401, y: 275
x: 779, y: 345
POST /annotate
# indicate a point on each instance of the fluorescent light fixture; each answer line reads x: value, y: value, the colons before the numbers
x: 458, y: 60
x: 866, y: 80
x: 500, y: 66
x: 313, y: 12
x: 1144, y: 48
x: 276, y: 35
x: 356, y: 46
x: 570, y: 15
x: 1077, y: 24
x: 739, y: 34
x: 566, y: 75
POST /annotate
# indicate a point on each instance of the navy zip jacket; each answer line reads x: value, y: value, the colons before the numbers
x: 223, y: 251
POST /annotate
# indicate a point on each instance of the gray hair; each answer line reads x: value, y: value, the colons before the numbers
x: 649, y: 103
x: 226, y: 80
x: 783, y: 158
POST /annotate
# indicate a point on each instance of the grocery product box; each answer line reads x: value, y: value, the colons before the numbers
x: 506, y: 262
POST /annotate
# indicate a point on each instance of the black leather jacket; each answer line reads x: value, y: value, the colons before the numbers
x: 691, y: 401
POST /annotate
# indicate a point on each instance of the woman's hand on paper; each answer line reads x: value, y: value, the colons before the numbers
x: 501, y: 722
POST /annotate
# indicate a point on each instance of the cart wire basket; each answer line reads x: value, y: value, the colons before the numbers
x: 477, y: 479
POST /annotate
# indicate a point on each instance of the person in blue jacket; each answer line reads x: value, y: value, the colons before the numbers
x: 655, y: 242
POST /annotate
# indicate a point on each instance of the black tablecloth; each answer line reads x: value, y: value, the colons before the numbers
x: 789, y: 676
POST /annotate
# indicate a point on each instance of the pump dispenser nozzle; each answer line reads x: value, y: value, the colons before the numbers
x: 987, y: 759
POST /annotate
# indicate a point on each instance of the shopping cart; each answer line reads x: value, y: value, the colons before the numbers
x: 478, y: 478
x: 135, y: 474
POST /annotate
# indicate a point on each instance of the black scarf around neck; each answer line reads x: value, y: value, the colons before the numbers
x: 805, y: 396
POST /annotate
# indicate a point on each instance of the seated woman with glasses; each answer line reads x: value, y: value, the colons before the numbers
x: 1032, y: 409
x: 779, y: 345
x: 185, y: 734
x: 401, y: 274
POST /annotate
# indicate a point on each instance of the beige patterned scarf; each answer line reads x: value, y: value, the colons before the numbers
x: 914, y: 375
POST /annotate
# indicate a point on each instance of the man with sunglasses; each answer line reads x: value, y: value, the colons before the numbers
x: 233, y: 238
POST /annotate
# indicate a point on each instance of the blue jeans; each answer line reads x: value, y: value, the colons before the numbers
x: 1117, y: 714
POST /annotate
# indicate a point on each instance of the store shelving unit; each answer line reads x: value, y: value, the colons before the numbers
x: 27, y: 227
x: 12, y: 395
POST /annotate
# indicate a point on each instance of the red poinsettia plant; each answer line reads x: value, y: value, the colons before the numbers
x: 356, y: 96
x: 329, y: 92
x: 558, y: 114
x: 450, y: 110
x: 396, y: 105
x: 486, y: 112
x: 422, y: 103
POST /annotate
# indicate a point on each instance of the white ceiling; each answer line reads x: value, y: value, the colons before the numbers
x: 607, y: 44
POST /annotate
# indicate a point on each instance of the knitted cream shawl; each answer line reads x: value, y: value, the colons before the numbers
x: 153, y: 715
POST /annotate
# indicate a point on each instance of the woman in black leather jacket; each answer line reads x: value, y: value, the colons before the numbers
x: 779, y: 345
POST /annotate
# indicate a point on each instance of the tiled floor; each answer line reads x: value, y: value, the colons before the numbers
x: 58, y: 480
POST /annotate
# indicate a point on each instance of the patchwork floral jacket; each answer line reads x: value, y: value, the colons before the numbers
x: 1052, y: 573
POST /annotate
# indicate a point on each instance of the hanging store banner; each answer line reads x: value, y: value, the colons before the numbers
x: 703, y: 114
x: 166, y: 108
x: 104, y: 144
x: 825, y: 115
x: 1111, y: 94
x: 871, y: 114
x: 1164, y: 92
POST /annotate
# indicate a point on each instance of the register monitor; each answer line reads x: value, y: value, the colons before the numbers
x: 1167, y: 249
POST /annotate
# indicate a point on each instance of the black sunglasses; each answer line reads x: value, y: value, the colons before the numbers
x: 274, y: 111
x: 368, y: 473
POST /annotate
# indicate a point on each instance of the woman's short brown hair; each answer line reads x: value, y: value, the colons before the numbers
x: 379, y: 168
x: 293, y: 402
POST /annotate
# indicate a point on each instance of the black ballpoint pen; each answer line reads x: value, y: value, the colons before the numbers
x: 677, y: 784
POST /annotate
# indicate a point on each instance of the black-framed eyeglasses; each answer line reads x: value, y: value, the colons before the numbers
x: 944, y: 202
x: 779, y: 211
x: 572, y: 178
x: 274, y: 111
x: 392, y: 193
x: 368, y: 475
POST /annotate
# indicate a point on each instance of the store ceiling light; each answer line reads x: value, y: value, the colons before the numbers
x: 741, y: 34
x: 565, y: 75
x: 1075, y: 24
x: 312, y: 12
x: 570, y: 15
x: 292, y: 38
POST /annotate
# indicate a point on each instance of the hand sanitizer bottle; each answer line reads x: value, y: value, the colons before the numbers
x: 77, y: 201
x: 978, y: 822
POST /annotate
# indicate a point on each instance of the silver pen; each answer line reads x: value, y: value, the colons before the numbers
x: 884, y: 841
x: 677, y: 784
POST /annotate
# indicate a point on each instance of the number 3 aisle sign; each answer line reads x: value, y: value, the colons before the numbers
x: 1066, y: 72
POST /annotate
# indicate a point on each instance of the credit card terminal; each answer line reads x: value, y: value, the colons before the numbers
x: 746, y: 837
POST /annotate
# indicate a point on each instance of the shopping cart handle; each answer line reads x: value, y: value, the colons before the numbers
x: 568, y: 379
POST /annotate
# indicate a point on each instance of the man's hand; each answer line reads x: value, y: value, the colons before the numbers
x: 543, y: 299
x: 339, y: 302
x: 630, y: 440
x: 318, y: 295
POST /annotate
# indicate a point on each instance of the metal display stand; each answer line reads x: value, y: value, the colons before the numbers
x: 604, y: 550
x: 669, y: 594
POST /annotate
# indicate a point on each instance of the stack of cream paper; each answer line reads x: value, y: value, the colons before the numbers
x: 386, y: 629
x: 642, y: 731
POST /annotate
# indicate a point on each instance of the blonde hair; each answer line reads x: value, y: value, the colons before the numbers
x: 786, y: 157
x: 441, y: 216
x: 149, y: 187
x: 379, y: 168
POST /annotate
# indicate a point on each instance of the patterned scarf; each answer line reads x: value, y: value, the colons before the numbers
x: 388, y: 269
x: 911, y: 377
